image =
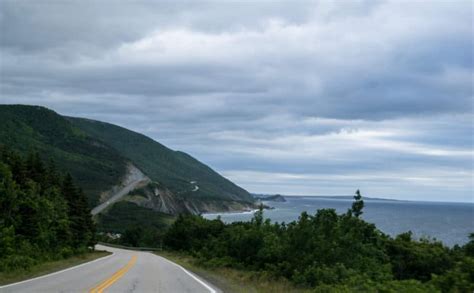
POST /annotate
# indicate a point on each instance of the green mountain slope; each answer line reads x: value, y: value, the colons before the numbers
x: 95, y: 166
x: 175, y: 170
x: 98, y: 154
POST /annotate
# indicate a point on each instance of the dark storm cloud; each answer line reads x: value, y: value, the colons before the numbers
x: 272, y: 94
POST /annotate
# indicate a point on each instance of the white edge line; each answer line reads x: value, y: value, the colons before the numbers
x: 59, y: 272
x: 192, y: 275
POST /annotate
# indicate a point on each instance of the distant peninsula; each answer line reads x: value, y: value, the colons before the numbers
x: 282, y: 198
x: 343, y: 197
x: 270, y: 197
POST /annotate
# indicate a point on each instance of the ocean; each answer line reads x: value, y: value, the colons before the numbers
x: 448, y: 222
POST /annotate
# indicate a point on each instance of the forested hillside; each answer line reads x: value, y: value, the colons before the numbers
x: 176, y: 170
x: 97, y: 155
x: 95, y: 165
x: 43, y: 215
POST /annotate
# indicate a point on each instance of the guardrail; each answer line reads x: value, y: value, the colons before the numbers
x: 131, y: 248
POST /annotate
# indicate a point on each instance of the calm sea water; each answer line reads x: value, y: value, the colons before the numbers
x: 449, y: 222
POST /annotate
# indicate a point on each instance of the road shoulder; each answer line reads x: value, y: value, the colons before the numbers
x: 48, y: 268
x: 228, y: 279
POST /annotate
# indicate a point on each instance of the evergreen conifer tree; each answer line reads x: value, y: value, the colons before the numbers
x: 357, y: 205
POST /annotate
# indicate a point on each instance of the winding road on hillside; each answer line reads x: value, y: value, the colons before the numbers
x: 132, y: 180
x: 123, y: 271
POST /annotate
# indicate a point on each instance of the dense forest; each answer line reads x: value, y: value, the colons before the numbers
x: 328, y: 252
x: 43, y: 215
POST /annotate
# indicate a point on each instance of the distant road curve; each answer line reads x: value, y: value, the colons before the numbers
x: 133, y: 179
x: 124, y: 271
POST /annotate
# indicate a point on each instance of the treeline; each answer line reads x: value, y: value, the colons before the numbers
x: 328, y: 252
x: 138, y: 226
x: 43, y: 215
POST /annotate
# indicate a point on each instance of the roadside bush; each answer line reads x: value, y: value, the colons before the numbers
x: 327, y: 252
x: 417, y: 259
x: 458, y: 279
x: 17, y: 262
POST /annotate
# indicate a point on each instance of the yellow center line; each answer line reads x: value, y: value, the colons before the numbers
x: 115, y: 277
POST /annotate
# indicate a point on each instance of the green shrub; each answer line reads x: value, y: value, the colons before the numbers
x: 327, y: 252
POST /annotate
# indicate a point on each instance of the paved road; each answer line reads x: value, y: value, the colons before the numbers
x: 124, y: 271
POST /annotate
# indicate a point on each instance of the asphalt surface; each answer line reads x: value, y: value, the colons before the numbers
x: 124, y: 271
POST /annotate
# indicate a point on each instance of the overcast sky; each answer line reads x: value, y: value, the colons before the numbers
x: 295, y: 97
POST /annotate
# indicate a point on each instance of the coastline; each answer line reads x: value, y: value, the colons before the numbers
x: 266, y: 207
x: 246, y: 212
x: 447, y: 222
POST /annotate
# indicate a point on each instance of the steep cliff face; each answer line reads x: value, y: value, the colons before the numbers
x: 133, y: 178
x: 138, y: 188
x: 154, y: 196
